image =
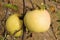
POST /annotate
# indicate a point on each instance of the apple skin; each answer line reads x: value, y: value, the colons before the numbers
x: 19, y: 33
x: 37, y: 20
x: 13, y: 24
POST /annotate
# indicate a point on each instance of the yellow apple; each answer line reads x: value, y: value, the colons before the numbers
x: 19, y: 33
x: 37, y: 20
x: 13, y: 24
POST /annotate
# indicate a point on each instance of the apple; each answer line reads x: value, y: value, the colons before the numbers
x: 19, y: 33
x: 13, y: 24
x: 37, y: 20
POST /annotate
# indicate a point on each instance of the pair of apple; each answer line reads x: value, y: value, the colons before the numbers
x: 35, y: 21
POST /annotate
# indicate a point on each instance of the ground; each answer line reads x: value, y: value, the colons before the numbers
x: 53, y: 6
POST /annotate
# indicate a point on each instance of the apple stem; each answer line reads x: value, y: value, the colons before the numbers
x: 42, y: 6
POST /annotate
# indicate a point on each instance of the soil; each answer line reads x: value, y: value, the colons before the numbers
x: 53, y: 6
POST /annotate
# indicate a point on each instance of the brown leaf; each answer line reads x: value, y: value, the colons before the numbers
x: 52, y: 8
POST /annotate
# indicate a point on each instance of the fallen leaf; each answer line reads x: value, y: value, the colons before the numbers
x: 52, y: 8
